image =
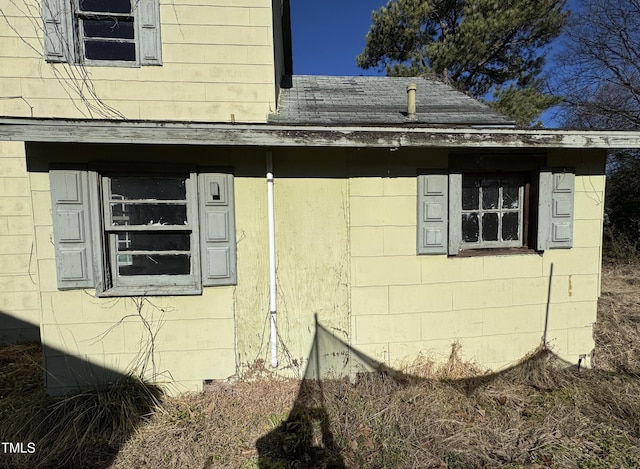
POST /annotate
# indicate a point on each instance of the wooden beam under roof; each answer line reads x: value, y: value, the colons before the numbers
x: 267, y: 135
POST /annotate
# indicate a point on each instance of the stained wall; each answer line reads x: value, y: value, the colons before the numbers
x: 217, y: 66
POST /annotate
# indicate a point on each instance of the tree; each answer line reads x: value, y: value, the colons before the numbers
x: 485, y: 47
x: 622, y: 211
x: 600, y: 75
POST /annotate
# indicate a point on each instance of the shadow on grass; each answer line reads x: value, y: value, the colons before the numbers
x: 305, y: 439
x: 82, y: 428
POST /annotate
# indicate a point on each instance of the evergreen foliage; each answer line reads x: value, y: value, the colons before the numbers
x: 485, y: 47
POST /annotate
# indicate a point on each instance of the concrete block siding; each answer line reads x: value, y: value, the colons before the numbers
x: 345, y: 233
x: 345, y: 223
x: 19, y: 296
x: 495, y: 306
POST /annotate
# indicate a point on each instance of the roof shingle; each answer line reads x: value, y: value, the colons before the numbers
x: 380, y: 101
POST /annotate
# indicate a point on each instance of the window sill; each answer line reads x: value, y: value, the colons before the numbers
x: 151, y: 291
x: 109, y: 63
x: 496, y: 252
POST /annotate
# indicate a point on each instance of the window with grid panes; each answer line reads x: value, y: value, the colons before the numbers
x: 492, y: 210
x: 480, y: 212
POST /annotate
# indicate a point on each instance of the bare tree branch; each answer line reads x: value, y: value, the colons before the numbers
x: 600, y: 72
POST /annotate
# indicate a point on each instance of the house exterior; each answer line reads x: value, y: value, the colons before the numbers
x: 174, y: 204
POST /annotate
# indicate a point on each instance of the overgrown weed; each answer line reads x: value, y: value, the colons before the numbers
x: 538, y: 414
x: 80, y: 430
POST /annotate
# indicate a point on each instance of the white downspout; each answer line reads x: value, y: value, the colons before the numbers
x: 272, y: 261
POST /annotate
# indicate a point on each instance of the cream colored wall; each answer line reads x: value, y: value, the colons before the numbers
x: 346, y: 243
x: 211, y: 336
x: 310, y: 198
x: 311, y: 207
x: 252, y: 291
x: 19, y: 298
x: 218, y: 66
x: 194, y: 337
x: 494, y: 306
x: 577, y: 272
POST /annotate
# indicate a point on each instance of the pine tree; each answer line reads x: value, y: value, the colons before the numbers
x: 493, y: 49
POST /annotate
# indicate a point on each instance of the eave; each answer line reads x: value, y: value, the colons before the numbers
x: 267, y: 135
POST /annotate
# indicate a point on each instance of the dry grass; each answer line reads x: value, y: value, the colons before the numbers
x: 534, y: 415
x: 618, y: 328
x: 538, y: 414
x: 20, y: 370
x: 83, y: 430
x: 216, y: 428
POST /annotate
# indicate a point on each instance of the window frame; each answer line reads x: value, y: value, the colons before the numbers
x: 120, y: 285
x: 80, y: 16
x: 523, y: 212
x: 84, y: 257
x: 64, y: 34
x: 108, y: 282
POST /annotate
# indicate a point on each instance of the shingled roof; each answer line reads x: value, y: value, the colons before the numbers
x: 378, y: 101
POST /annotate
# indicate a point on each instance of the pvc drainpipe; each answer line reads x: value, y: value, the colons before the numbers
x: 272, y: 261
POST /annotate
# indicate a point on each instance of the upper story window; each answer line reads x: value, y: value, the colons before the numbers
x: 100, y: 32
x: 106, y: 30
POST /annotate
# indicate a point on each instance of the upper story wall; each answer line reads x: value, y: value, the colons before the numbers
x: 217, y: 65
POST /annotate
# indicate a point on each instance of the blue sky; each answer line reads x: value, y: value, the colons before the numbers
x: 329, y: 34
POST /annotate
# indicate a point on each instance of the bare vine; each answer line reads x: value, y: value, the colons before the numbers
x: 147, y: 342
x: 74, y: 78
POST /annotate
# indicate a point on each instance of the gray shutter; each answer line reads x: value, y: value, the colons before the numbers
x: 555, y: 209
x: 432, y: 213
x: 455, y: 213
x: 58, y: 37
x: 71, y: 228
x: 217, y: 229
x: 147, y: 16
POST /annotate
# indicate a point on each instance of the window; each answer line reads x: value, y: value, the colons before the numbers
x: 149, y: 228
x: 143, y: 233
x: 461, y: 211
x: 492, y: 210
x: 96, y: 32
x: 106, y: 30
